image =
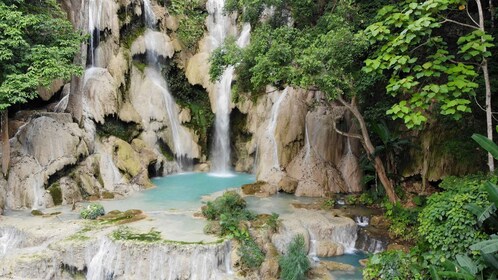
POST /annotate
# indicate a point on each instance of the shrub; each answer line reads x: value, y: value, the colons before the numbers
x: 229, y: 202
x: 92, y: 211
x: 446, y: 225
x: 403, y: 221
x: 295, y: 263
x: 392, y: 265
x: 250, y: 255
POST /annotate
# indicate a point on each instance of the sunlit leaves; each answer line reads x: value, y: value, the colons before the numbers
x: 422, y: 71
x: 37, y: 45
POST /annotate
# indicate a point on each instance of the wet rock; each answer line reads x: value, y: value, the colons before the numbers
x: 319, y: 273
x: 327, y: 248
x: 363, y: 262
x: 398, y: 247
x: 320, y: 226
x: 379, y: 221
x: 251, y: 189
x: 288, y: 184
x: 332, y: 266
x: 118, y: 217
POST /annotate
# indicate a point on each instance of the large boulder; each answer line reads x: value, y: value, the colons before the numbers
x: 335, y: 234
x: 45, y: 145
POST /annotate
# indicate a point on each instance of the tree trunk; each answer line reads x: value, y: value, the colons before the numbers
x: 487, y: 84
x: 5, y: 142
x: 370, y: 149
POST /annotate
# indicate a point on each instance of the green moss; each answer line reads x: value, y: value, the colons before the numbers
x: 140, y: 65
x: 107, y: 195
x: 56, y: 193
x: 193, y: 97
x: 126, y: 233
x: 118, y: 217
x: 36, y: 213
x: 115, y: 127
x: 131, y: 36
x: 191, y: 14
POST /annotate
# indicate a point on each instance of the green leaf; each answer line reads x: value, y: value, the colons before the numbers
x: 486, y: 144
x: 492, y: 190
x: 467, y: 263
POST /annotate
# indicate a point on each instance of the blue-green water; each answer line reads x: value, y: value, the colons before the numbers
x: 352, y: 259
x: 180, y: 192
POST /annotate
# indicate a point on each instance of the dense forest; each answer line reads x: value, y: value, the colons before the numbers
x: 416, y: 77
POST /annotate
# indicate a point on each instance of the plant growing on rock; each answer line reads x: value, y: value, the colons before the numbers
x: 295, y: 263
x: 250, y: 255
x: 126, y: 233
x: 92, y: 211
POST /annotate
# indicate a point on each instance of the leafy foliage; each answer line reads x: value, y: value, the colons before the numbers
x: 191, y: 24
x: 295, y: 263
x: 37, y: 46
x: 447, y: 226
x: 392, y: 265
x: 250, y: 254
x: 92, y: 211
x: 403, y: 221
x: 425, y: 69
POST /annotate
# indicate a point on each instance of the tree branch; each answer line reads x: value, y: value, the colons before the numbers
x: 473, y: 20
x: 347, y: 134
x: 460, y: 23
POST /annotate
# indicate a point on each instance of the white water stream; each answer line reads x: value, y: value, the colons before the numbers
x: 182, y: 140
x: 272, y: 127
x: 220, y: 25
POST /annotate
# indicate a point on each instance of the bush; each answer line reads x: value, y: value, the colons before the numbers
x: 446, y: 225
x: 229, y: 202
x: 392, y: 265
x: 295, y: 263
x: 92, y: 211
x: 250, y: 255
x: 403, y: 221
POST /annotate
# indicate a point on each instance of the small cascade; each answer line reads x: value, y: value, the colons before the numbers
x: 272, y: 127
x: 346, y: 236
x: 132, y: 260
x: 101, y: 265
x: 94, y: 16
x: 307, y: 145
x: 349, y: 168
x: 312, y: 251
x: 362, y: 221
x: 38, y: 192
x: 182, y: 142
x: 61, y: 106
x: 369, y: 241
x: 110, y: 173
x: 10, y: 238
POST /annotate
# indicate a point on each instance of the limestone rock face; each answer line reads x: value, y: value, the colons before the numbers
x: 100, y: 94
x: 277, y: 124
x: 335, y: 234
x: 46, y: 144
x: 153, y: 41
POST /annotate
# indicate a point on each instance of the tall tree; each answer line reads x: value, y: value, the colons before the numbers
x: 37, y: 46
x: 430, y: 68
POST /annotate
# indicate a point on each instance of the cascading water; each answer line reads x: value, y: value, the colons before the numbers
x: 181, y: 139
x: 94, y: 16
x: 136, y: 260
x: 219, y: 27
x: 272, y: 127
x: 312, y: 252
x: 10, y: 238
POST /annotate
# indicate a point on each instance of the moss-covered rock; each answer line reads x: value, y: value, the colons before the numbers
x: 56, y: 193
x: 118, y: 217
x: 126, y: 159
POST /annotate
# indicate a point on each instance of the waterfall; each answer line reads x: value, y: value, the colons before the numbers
x: 307, y: 143
x: 362, y: 221
x: 137, y: 260
x: 182, y: 141
x: 346, y: 236
x: 38, y: 192
x: 110, y: 173
x: 312, y: 250
x: 94, y: 16
x: 10, y: 238
x: 101, y: 265
x: 350, y: 170
x: 219, y: 27
x: 272, y: 127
